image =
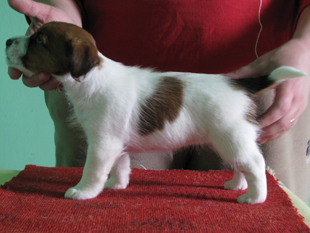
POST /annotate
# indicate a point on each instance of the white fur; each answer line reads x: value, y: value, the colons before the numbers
x: 107, y: 105
x: 16, y: 51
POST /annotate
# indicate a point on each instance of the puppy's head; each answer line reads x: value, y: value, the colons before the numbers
x: 56, y: 48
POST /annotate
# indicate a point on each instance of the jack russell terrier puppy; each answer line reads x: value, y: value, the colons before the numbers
x: 127, y: 110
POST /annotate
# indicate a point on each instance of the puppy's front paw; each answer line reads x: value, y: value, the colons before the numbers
x: 79, y: 194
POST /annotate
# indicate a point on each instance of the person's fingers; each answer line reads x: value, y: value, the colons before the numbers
x: 21, y: 6
x: 290, y: 102
x: 279, y: 108
x: 244, y: 72
x: 43, y: 80
x: 14, y: 73
x: 30, y: 8
x: 36, y: 80
x: 39, y: 13
x: 51, y: 84
x: 270, y: 138
x: 277, y: 129
x: 60, y: 89
x: 253, y: 69
x: 276, y: 119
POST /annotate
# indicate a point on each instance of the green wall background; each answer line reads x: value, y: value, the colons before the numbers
x: 26, y: 130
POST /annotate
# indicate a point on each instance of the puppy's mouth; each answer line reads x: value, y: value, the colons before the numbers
x: 11, y: 61
x: 8, y: 60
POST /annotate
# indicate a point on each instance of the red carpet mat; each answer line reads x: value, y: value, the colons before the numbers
x: 155, y: 201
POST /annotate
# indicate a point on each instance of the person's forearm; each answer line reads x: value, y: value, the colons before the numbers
x: 303, y: 26
x: 68, y: 6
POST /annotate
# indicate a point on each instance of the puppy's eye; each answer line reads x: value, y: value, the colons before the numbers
x: 38, y: 40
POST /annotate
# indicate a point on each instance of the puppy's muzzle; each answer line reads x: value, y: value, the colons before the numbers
x: 9, y: 42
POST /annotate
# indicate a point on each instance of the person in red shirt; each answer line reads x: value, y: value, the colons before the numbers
x: 240, y: 38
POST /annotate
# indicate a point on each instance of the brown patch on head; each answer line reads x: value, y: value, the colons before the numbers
x: 59, y: 48
x: 163, y: 105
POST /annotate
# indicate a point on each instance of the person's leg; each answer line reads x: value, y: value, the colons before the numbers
x: 203, y: 158
x: 70, y: 143
x: 287, y: 156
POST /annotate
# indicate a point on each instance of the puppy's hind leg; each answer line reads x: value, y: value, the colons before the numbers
x: 119, y: 175
x: 238, y: 182
x: 237, y: 146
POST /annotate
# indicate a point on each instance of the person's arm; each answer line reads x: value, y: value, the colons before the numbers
x: 39, y: 13
x: 291, y: 97
x: 51, y: 10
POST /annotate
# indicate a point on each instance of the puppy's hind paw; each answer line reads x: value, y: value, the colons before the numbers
x: 116, y: 184
x: 250, y: 199
x: 233, y: 185
x: 76, y: 194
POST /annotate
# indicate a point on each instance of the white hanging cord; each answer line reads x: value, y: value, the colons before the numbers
x: 261, y: 27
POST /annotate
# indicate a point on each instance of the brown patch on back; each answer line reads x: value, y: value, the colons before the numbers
x: 163, y: 105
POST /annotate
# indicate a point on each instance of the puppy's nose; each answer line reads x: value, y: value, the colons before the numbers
x: 9, y: 42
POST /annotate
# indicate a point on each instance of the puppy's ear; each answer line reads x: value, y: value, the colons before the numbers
x: 84, y: 58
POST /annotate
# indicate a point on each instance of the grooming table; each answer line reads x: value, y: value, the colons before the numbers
x: 154, y: 201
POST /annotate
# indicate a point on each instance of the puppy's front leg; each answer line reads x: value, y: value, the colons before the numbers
x: 101, y: 156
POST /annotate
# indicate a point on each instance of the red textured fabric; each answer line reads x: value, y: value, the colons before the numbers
x: 155, y: 201
x: 189, y: 35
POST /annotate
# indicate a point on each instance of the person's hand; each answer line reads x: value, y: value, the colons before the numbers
x: 39, y: 14
x: 291, y: 98
x: 43, y: 80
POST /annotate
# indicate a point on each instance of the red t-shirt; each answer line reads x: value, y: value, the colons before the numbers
x: 208, y: 36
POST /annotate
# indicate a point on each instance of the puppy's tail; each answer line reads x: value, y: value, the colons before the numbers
x: 255, y: 85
